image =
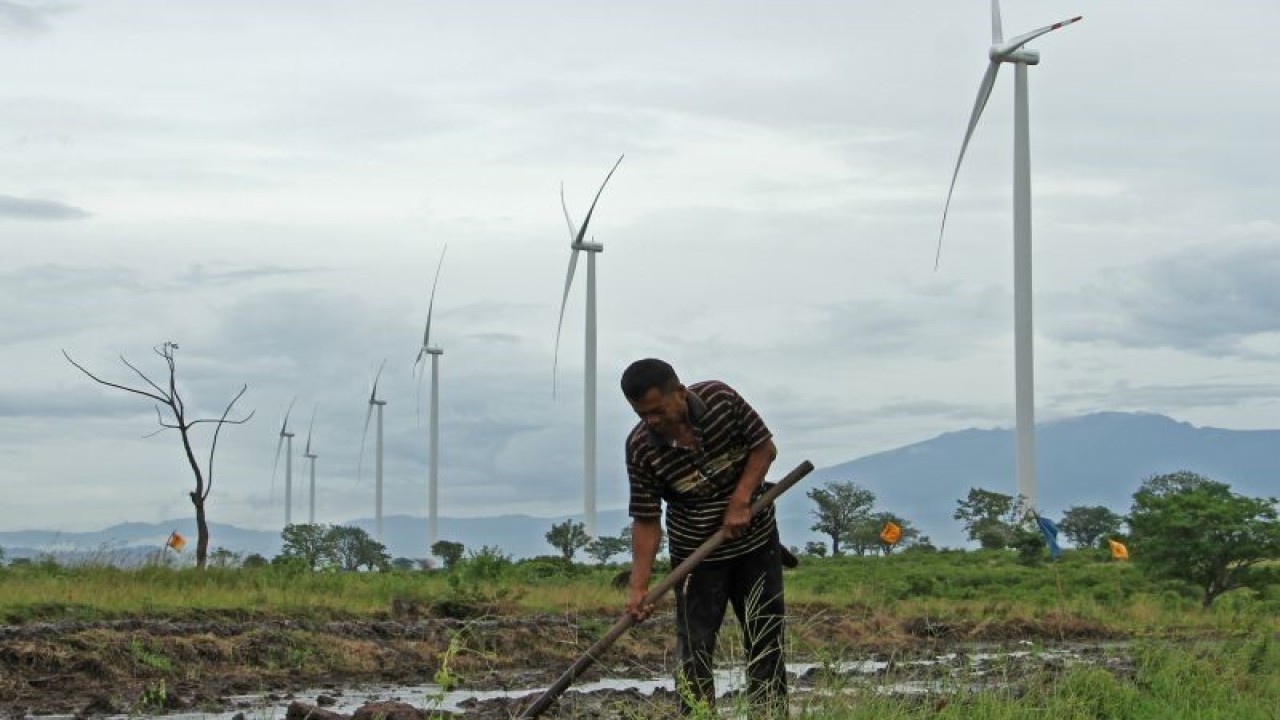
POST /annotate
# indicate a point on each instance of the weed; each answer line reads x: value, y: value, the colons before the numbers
x: 146, y: 656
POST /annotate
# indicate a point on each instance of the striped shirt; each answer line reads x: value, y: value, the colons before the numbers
x: 696, y: 484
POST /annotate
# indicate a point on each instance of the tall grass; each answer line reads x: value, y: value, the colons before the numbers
x: 946, y: 587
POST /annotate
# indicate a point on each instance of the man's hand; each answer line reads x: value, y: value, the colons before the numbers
x: 636, y: 606
x: 736, y: 518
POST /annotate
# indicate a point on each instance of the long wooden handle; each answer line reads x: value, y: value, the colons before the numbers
x: 626, y: 621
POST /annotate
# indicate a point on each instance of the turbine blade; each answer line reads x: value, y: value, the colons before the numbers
x: 582, y: 231
x: 984, y: 93
x: 568, y: 282
x: 373, y: 391
x: 284, y: 428
x: 1025, y: 38
x: 426, y: 335
x: 310, y: 428
x: 573, y: 232
x: 276, y: 465
x: 997, y: 32
x: 364, y: 436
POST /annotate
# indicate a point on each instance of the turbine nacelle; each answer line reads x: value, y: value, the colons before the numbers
x: 1002, y: 53
x: 588, y: 246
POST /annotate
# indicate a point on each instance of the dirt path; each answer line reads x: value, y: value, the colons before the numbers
x: 155, y: 666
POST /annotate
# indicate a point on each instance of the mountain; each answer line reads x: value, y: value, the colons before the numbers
x: 1098, y: 459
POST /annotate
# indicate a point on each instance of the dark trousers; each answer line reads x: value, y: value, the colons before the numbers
x: 752, y: 584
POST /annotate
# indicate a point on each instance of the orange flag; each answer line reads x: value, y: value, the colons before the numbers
x: 176, y: 541
x: 1118, y: 550
x: 890, y: 533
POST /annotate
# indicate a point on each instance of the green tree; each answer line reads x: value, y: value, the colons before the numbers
x: 353, y: 549
x: 988, y: 517
x: 840, y: 505
x: 223, y: 558
x: 1185, y: 526
x: 815, y: 548
x: 254, y: 560
x: 604, y: 547
x: 1085, y: 525
x: 448, y: 551
x: 568, y: 537
x: 867, y: 533
x: 313, y: 544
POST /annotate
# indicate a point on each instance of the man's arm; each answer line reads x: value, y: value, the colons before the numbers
x: 646, y: 535
x: 738, y: 515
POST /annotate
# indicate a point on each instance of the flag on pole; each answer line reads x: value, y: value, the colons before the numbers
x: 176, y: 541
x: 890, y: 534
x: 1050, y: 532
x: 1118, y: 550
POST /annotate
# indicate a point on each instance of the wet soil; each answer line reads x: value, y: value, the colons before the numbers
x: 151, y: 666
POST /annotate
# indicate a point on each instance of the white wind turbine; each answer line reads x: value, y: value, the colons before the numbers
x: 1013, y: 52
x: 433, y: 477
x: 311, y: 461
x: 286, y: 442
x: 374, y: 402
x: 577, y: 244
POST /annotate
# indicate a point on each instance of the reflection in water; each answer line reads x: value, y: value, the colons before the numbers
x: 942, y: 673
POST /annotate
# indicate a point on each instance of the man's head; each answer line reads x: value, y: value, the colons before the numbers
x: 655, y: 393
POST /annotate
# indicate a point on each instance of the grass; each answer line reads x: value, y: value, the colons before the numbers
x: 1182, y: 661
x: 946, y: 588
x: 1234, y: 680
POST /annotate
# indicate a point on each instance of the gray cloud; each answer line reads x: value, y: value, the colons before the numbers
x: 17, y: 208
x: 1207, y: 300
x: 29, y: 18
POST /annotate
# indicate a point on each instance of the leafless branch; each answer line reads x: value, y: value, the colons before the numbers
x: 168, y: 399
x: 214, y: 444
x: 99, y: 380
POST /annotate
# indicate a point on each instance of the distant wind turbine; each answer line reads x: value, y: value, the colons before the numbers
x: 374, y: 402
x: 1012, y: 51
x: 433, y: 478
x: 286, y: 442
x: 578, y: 244
x: 311, y: 460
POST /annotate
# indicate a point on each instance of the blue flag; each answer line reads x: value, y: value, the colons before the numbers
x: 1050, y: 532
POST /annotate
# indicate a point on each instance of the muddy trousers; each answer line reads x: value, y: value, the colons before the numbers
x: 752, y: 585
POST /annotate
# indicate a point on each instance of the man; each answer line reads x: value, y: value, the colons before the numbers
x: 704, y: 452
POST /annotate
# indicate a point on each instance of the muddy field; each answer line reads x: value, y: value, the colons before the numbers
x: 486, y: 668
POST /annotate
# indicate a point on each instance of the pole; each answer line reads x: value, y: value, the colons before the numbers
x: 626, y: 621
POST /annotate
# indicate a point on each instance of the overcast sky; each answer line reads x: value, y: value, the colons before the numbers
x: 270, y: 185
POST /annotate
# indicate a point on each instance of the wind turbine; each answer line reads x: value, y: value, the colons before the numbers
x: 374, y: 402
x: 286, y: 442
x: 1013, y: 52
x: 433, y: 478
x: 578, y: 244
x: 311, y: 458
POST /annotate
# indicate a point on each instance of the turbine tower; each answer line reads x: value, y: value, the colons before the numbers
x: 577, y: 244
x: 1013, y: 52
x: 285, y: 442
x: 374, y: 402
x: 311, y: 461
x: 433, y: 477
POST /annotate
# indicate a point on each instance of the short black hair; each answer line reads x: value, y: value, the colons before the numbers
x: 644, y: 375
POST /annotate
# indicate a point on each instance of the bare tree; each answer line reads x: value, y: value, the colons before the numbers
x: 169, y: 397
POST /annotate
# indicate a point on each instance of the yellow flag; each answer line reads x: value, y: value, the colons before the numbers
x: 176, y: 541
x: 1118, y: 550
x: 890, y: 533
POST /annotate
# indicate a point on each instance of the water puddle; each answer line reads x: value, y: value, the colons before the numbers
x: 968, y: 669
